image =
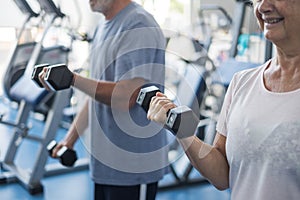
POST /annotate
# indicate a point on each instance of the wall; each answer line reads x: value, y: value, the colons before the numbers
x: 10, y: 14
x: 78, y: 10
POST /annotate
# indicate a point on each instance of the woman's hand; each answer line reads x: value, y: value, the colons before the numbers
x: 159, y: 106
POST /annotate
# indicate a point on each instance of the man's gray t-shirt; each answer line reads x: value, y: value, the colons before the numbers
x: 126, y: 148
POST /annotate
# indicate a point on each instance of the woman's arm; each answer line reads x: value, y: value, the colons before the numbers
x: 209, y: 160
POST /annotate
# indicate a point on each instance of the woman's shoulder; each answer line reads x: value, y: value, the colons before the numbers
x: 251, y: 72
x: 247, y: 77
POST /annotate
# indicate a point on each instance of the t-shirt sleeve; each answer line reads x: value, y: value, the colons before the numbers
x: 141, y: 55
x: 223, y: 117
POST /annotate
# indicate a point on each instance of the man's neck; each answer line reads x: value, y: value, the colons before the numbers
x: 117, y: 6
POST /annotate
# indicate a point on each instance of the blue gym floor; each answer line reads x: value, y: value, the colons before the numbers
x: 77, y: 185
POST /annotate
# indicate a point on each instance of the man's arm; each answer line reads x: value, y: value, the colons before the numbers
x: 119, y: 95
x: 76, y: 129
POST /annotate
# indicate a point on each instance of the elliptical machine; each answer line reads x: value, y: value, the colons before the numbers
x: 29, y: 98
x: 26, y: 54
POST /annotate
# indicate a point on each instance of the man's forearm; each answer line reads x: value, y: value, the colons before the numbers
x: 78, y: 125
x: 120, y: 95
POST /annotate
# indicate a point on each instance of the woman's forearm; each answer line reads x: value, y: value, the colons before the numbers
x: 208, y: 160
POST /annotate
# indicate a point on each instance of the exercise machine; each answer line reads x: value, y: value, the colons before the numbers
x: 34, y: 52
x: 21, y: 52
x: 30, y: 96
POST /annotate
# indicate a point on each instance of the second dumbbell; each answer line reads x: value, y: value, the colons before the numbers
x: 66, y: 156
x: 182, y: 121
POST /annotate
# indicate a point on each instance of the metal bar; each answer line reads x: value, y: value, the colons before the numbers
x: 237, y: 26
x: 57, y: 168
x: 23, y: 114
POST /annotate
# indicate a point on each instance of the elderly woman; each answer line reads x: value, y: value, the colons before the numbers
x: 256, y: 152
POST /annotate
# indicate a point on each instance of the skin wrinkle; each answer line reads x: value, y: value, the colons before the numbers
x: 283, y: 75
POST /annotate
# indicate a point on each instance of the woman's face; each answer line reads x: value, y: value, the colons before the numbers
x: 279, y: 19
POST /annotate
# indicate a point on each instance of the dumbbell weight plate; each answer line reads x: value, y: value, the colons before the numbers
x: 58, y: 77
x: 67, y: 156
x: 182, y: 121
